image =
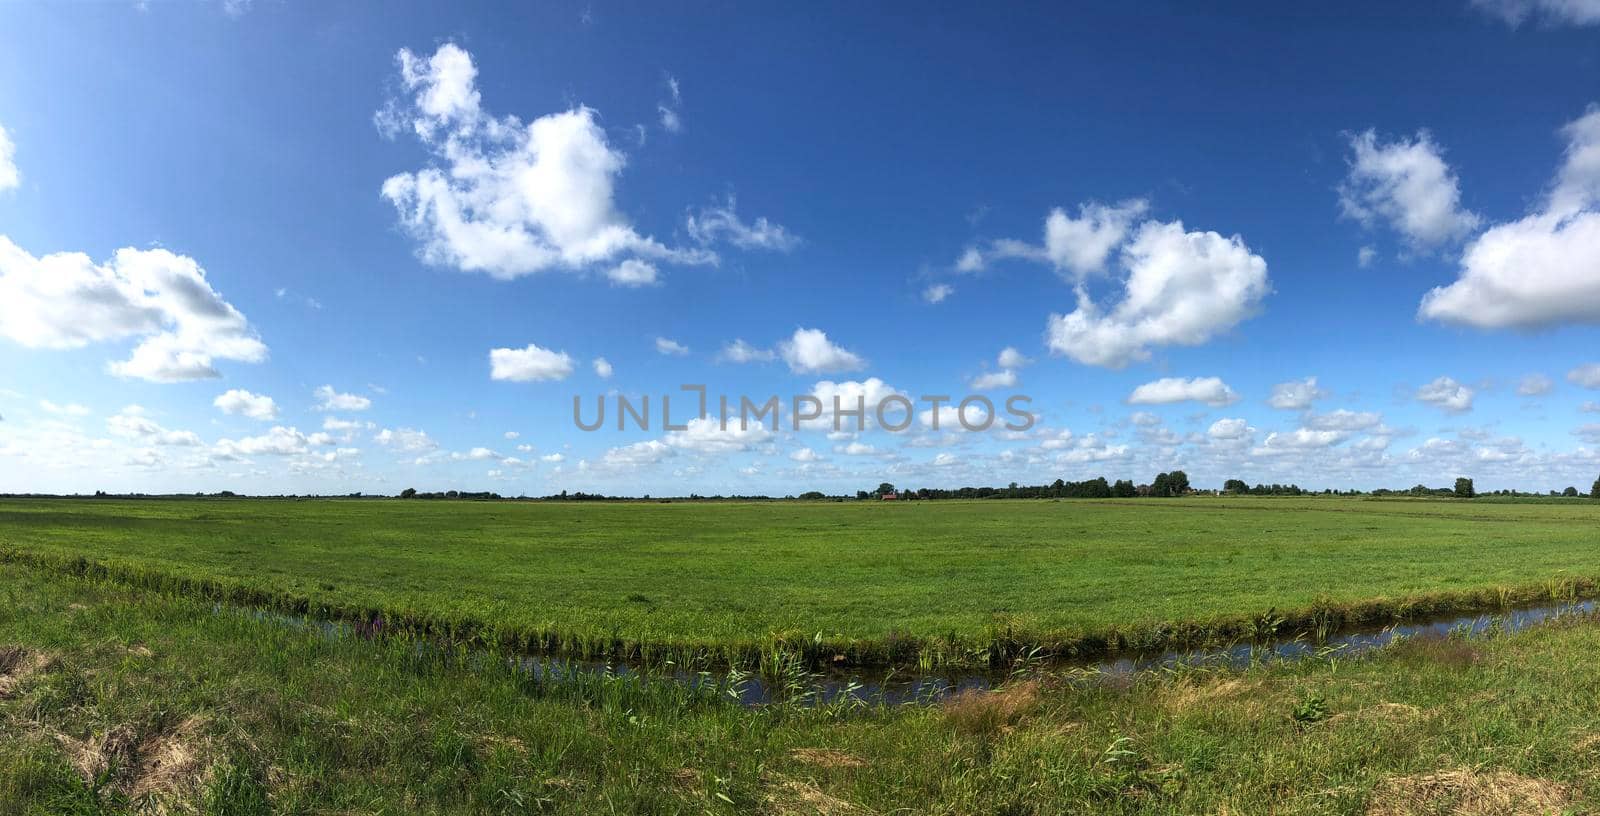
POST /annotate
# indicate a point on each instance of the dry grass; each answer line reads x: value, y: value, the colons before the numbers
x: 793, y: 797
x: 827, y: 758
x: 145, y: 767
x: 17, y: 665
x: 986, y: 712
x: 1465, y: 792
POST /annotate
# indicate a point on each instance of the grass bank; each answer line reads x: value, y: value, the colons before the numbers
x: 922, y: 584
x: 114, y: 699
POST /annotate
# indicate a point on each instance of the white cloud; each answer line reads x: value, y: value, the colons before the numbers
x: 511, y: 199
x: 602, y: 368
x: 853, y: 395
x: 1004, y: 378
x: 1537, y: 271
x: 1586, y: 375
x: 971, y: 260
x: 1011, y: 358
x: 741, y: 352
x: 407, y: 440
x: 64, y: 300
x: 1230, y: 430
x: 1534, y: 385
x: 1549, y: 12
x: 553, y: 458
x: 1407, y: 184
x: 670, y: 347
x: 938, y: 292
x: 706, y: 435
x: 69, y: 409
x: 1008, y: 361
x: 1365, y: 256
x: 1296, y: 395
x: 1209, y: 390
x: 239, y: 402
x: 279, y: 441
x: 330, y: 400
x: 1182, y: 288
x: 671, y: 119
x: 809, y: 351
x: 1300, y: 439
x: 1447, y: 395
x: 1076, y: 247
x: 633, y: 273
x: 9, y: 175
x: 635, y: 456
x: 333, y: 423
x: 1344, y: 420
x: 132, y: 424
x: 722, y: 223
x: 513, y: 435
x: 1081, y: 245
x: 529, y: 364
x: 805, y: 455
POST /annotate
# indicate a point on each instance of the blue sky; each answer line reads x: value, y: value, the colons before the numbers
x: 272, y: 247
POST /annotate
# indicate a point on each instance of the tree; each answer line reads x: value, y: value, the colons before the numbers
x: 885, y: 489
x: 408, y: 493
x: 1464, y: 488
x: 1176, y: 484
x: 1124, y: 489
x: 1594, y: 492
x: 1571, y: 492
x: 1235, y: 486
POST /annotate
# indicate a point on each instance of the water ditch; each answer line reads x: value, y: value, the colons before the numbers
x: 793, y: 683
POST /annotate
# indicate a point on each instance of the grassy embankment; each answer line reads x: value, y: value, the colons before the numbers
x: 114, y: 699
x: 936, y: 583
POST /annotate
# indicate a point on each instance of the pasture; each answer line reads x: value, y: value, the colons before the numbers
x: 927, y: 582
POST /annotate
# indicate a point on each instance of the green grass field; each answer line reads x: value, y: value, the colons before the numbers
x: 934, y: 581
x: 119, y: 701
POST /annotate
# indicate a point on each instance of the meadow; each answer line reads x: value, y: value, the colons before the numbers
x: 116, y: 700
x: 929, y: 583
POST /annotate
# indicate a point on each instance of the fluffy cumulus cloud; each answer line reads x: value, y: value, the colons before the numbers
x: 1167, y: 390
x: 1230, y: 430
x: 65, y: 300
x: 131, y: 423
x: 239, y: 402
x: 9, y: 175
x: 511, y: 198
x: 1534, y: 385
x: 1295, y: 395
x: 809, y: 351
x: 989, y: 380
x: 602, y: 368
x: 1182, y: 288
x: 633, y: 273
x: 741, y: 352
x: 1344, y: 420
x: 1537, y: 271
x: 1300, y: 439
x: 1407, y: 185
x: 722, y: 223
x: 1075, y: 246
x: 937, y: 292
x: 530, y: 364
x: 331, y: 399
x: 1585, y: 376
x: 1546, y: 12
x: 1447, y: 395
x: 405, y: 440
x: 671, y: 348
x: 1008, y: 361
